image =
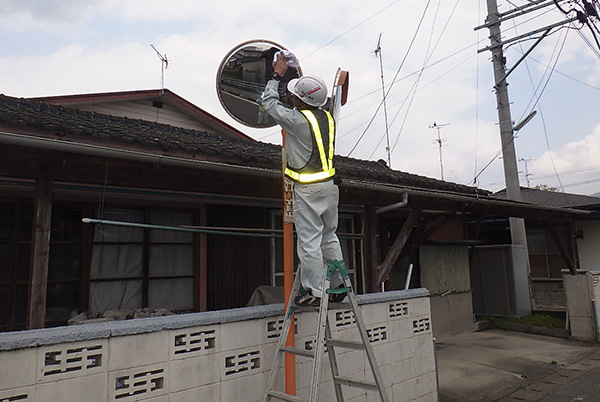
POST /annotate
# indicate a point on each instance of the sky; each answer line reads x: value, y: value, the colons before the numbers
x: 428, y: 92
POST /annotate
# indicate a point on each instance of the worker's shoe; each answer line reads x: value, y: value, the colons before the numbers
x: 338, y: 297
x: 306, y: 299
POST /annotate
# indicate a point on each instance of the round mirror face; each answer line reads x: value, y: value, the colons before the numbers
x: 241, y: 81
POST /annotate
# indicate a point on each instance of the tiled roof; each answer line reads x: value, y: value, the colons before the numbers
x: 83, y: 127
x: 555, y: 199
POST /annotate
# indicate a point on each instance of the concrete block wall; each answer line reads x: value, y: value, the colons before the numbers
x: 220, y: 356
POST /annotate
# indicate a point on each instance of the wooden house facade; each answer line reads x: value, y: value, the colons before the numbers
x: 161, y: 162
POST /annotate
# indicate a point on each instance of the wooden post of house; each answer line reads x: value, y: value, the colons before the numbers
x: 40, y: 254
x: 371, y: 248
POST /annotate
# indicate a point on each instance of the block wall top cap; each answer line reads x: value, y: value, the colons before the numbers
x: 104, y: 330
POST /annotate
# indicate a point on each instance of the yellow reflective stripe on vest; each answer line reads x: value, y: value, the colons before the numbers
x: 309, y: 177
x: 326, y: 161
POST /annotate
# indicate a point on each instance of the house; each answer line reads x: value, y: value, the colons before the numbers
x: 555, y: 247
x: 151, y: 158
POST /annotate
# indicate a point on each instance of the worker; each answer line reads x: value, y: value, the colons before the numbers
x: 309, y: 151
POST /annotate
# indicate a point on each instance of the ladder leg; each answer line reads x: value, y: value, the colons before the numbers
x: 320, y: 341
x: 365, y: 339
x: 287, y: 323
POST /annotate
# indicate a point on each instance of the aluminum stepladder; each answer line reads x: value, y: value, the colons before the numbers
x: 324, y: 337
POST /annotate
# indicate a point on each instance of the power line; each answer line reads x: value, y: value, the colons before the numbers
x: 397, y: 72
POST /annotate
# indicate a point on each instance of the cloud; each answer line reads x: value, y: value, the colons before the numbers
x: 577, y: 164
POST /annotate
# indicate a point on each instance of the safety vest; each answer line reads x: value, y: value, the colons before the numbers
x: 320, y: 166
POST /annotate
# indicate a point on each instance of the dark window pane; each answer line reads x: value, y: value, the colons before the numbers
x: 65, y: 260
x: 7, y: 215
x: 26, y: 222
x: 23, y: 266
x: 4, y: 262
x: 4, y: 305
x: 66, y: 224
x: 21, y: 305
x: 62, y: 301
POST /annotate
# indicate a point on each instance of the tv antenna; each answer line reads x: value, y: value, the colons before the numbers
x: 164, y: 64
x: 378, y: 54
x: 439, y: 141
x: 527, y: 174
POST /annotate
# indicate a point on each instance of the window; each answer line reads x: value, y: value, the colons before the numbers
x: 544, y: 257
x: 349, y: 241
x: 134, y: 267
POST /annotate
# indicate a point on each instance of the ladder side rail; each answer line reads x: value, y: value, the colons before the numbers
x: 335, y: 372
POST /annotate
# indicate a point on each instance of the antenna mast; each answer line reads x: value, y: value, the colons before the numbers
x: 379, y: 54
x: 164, y: 64
x: 439, y: 141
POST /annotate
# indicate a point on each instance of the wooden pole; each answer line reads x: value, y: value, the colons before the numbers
x: 40, y: 254
x: 288, y: 269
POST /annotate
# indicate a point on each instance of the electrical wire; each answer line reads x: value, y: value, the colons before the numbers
x: 351, y: 29
x: 396, y: 76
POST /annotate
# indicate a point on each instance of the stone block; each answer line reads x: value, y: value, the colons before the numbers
x: 420, y: 306
x: 404, y: 391
x: 18, y: 368
x: 250, y: 388
x: 373, y: 314
x: 426, y: 384
x: 242, y: 334
x: 582, y: 328
x: 194, y: 372
x: 138, y: 350
x: 90, y: 388
x: 207, y: 393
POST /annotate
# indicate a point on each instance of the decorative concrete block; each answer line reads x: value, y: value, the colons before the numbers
x: 138, y: 350
x: 191, y: 342
x: 90, y: 388
x: 194, y: 372
x: 23, y: 394
x: 18, y: 368
x: 70, y: 360
x: 398, y: 309
x: 138, y: 383
x: 274, y: 326
x: 239, y: 363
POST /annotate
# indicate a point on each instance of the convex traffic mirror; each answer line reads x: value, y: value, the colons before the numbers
x: 241, y: 81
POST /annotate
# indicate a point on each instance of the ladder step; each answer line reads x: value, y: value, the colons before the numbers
x: 284, y: 397
x: 299, y: 352
x: 351, y: 382
x: 345, y: 344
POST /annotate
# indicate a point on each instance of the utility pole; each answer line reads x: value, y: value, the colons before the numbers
x: 520, y: 256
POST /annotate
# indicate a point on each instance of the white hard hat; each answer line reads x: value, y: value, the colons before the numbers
x: 310, y: 90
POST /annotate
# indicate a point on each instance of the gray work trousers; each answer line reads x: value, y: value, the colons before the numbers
x: 316, y: 221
